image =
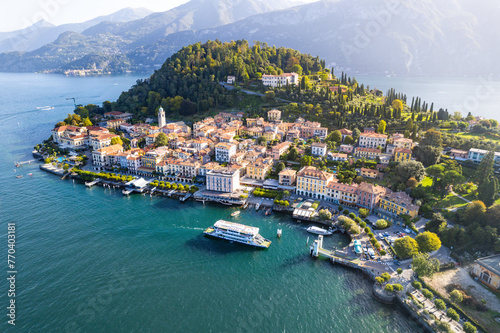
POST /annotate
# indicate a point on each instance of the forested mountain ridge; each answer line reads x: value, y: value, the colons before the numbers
x: 400, y: 37
x: 362, y: 36
x: 187, y: 87
x: 113, y: 42
x: 43, y: 32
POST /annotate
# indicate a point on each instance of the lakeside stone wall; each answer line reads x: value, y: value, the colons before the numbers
x: 382, y: 296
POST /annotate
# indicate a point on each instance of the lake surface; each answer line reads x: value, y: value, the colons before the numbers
x: 478, y: 95
x: 91, y: 260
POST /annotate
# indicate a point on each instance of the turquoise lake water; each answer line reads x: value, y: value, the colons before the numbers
x: 91, y: 260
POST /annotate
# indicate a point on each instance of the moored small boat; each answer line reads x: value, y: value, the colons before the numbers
x: 319, y: 231
x: 279, y: 233
x: 236, y: 213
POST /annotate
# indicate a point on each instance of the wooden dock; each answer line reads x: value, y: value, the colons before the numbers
x: 127, y: 191
x: 18, y: 164
x: 184, y: 198
x: 92, y: 183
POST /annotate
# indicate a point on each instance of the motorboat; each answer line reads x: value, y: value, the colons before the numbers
x: 319, y: 231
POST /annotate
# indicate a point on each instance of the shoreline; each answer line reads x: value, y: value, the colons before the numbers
x: 377, y: 292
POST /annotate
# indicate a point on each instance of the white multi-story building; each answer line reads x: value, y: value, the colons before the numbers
x: 102, y: 140
x: 337, y: 157
x: 225, y: 180
x: 189, y: 168
x: 273, y: 115
x: 67, y: 131
x: 121, y: 159
x: 280, y: 80
x: 134, y: 163
x: 477, y: 155
x: 320, y: 132
x: 101, y: 156
x: 287, y: 177
x: 224, y: 152
x: 318, y: 149
x: 402, y: 143
x: 372, y: 140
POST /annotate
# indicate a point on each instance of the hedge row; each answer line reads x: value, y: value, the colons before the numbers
x: 259, y: 192
x: 390, y: 246
x: 448, y: 266
x: 89, y: 175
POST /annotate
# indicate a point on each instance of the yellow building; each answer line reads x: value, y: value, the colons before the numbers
x: 255, y: 121
x: 487, y: 270
x: 254, y: 131
x: 370, y: 173
x: 398, y: 203
x: 150, y: 160
x: 269, y: 135
x: 402, y: 154
x: 312, y: 182
x: 259, y: 168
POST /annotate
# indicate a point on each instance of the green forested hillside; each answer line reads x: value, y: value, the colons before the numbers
x: 187, y: 86
x: 187, y: 81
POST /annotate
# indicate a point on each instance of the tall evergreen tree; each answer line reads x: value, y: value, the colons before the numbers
x: 487, y: 183
x: 487, y: 191
x: 485, y: 169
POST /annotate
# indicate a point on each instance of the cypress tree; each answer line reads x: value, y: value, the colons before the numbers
x: 487, y: 183
x: 485, y: 169
x: 487, y: 190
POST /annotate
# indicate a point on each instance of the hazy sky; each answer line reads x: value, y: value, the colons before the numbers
x: 23, y: 13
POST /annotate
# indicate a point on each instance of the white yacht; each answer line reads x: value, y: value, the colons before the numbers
x: 319, y: 231
x: 239, y: 233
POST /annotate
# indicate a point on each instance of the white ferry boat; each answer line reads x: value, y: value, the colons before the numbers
x: 239, y: 233
x: 319, y: 231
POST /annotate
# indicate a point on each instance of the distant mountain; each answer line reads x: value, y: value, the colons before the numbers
x: 193, y: 15
x: 42, y: 32
x: 401, y: 37
x: 422, y: 37
x: 119, y: 38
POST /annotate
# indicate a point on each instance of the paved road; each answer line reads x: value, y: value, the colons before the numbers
x: 249, y: 92
x: 443, y: 255
x: 461, y: 197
